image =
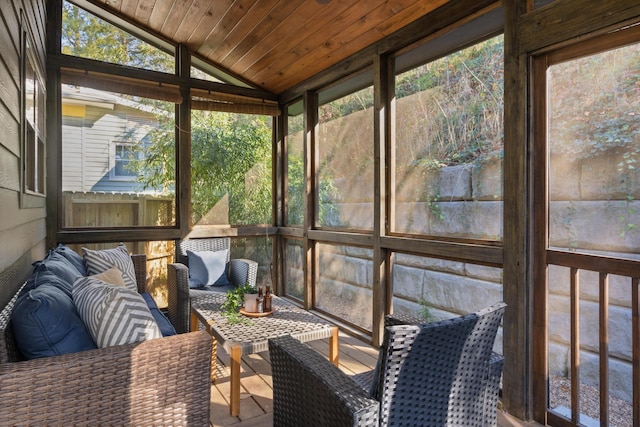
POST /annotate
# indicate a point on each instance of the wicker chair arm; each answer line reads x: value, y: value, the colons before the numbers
x: 140, y: 267
x: 179, y: 305
x: 308, y: 390
x: 243, y: 271
x: 157, y: 382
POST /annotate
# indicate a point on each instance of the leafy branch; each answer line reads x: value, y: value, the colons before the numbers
x: 233, y: 302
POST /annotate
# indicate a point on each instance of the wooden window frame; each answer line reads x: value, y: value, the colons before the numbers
x: 33, y: 130
x: 576, y: 262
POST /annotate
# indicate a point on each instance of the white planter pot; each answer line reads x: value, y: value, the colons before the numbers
x: 250, y: 305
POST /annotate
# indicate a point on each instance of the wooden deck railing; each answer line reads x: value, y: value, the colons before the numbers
x: 605, y: 267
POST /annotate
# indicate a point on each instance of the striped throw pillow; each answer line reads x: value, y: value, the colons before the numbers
x: 114, y: 315
x: 99, y: 261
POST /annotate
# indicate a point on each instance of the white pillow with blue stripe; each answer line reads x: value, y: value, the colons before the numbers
x: 114, y: 315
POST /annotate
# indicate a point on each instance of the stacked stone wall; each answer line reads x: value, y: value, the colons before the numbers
x: 470, y: 205
x: 594, y: 207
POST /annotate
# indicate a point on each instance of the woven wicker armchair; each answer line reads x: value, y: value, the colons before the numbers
x: 240, y: 272
x: 163, y: 381
x: 431, y: 374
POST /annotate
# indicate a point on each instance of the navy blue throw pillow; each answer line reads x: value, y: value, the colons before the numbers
x: 58, y: 265
x: 46, y: 323
x: 73, y: 257
x: 41, y: 276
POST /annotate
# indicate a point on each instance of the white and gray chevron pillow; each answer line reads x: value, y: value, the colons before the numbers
x: 114, y: 315
x: 99, y: 261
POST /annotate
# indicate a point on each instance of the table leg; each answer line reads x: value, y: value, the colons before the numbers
x: 214, y: 358
x: 236, y: 356
x: 214, y: 344
x: 333, y: 347
x: 194, y: 322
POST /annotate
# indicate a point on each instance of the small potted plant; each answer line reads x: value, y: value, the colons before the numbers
x: 250, y: 295
x: 235, y: 300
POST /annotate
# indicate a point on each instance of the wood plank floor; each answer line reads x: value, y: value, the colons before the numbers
x: 256, y: 387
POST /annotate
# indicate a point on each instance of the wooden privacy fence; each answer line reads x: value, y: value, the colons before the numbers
x: 117, y: 210
x: 127, y: 210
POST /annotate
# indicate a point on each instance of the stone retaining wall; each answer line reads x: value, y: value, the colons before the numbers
x: 469, y: 204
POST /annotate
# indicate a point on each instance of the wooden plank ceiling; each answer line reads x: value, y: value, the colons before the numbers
x: 273, y: 44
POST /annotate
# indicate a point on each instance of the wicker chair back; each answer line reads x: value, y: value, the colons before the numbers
x: 199, y: 245
x: 435, y: 374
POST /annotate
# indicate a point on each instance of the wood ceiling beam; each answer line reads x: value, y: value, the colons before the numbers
x: 90, y: 65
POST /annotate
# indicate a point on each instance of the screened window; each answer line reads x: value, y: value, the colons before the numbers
x: 592, y: 153
x: 118, y: 159
x: 435, y: 289
x: 197, y: 73
x: 88, y: 36
x: 344, y: 147
x: 447, y: 165
x: 231, y: 168
x: 344, y: 283
x: 203, y: 70
x: 260, y: 250
x: 295, y: 172
x: 294, y: 269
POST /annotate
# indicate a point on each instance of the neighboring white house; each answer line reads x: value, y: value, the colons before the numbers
x: 100, y: 133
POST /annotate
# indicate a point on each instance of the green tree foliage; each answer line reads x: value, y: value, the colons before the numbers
x: 328, y: 212
x: 87, y: 36
x: 295, y: 191
x: 295, y: 169
x: 231, y: 156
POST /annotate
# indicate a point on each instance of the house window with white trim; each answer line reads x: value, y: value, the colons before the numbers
x: 123, y: 162
x: 33, y: 121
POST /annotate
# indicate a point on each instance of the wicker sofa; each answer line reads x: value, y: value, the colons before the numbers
x: 162, y: 381
x: 239, y: 272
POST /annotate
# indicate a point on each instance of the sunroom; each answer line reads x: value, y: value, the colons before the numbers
x: 428, y: 158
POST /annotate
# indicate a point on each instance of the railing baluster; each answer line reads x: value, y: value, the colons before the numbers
x: 575, y: 345
x: 604, y: 349
x: 635, y: 328
x: 605, y: 267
